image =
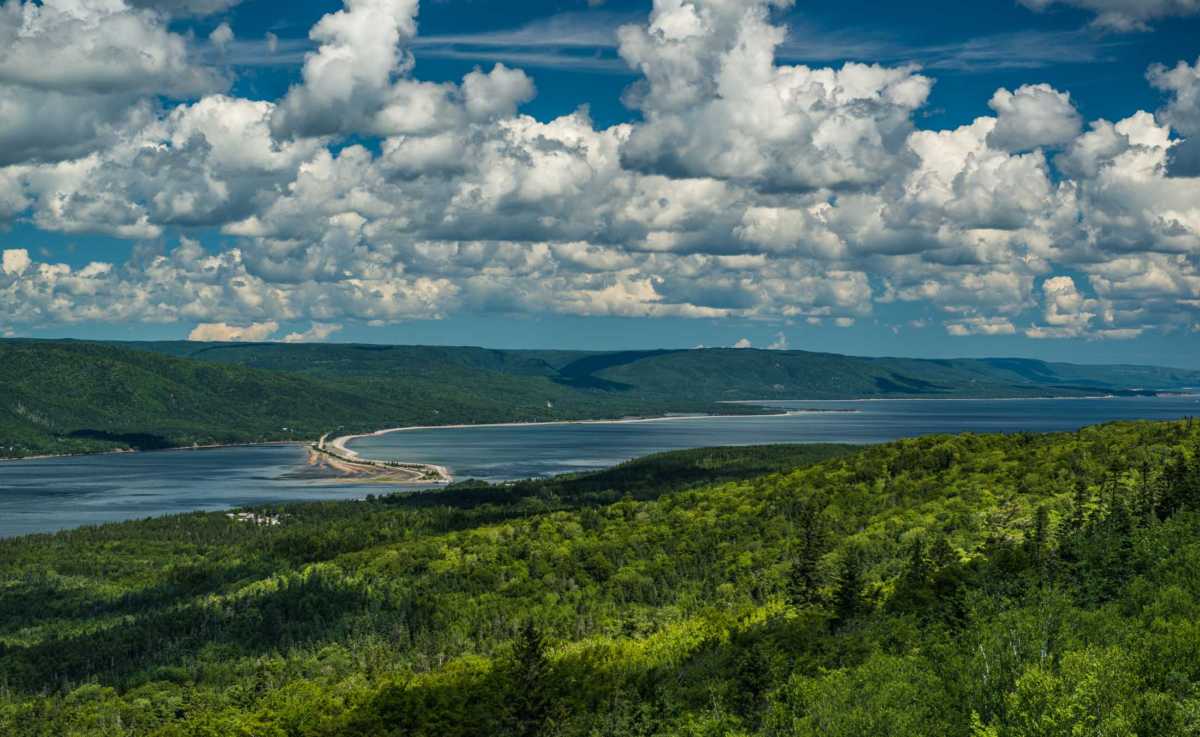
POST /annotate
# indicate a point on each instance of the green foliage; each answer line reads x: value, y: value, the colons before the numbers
x: 996, y: 586
x: 848, y: 601
x: 527, y: 695
x: 804, y: 581
x: 64, y: 397
x: 77, y: 397
x: 748, y: 374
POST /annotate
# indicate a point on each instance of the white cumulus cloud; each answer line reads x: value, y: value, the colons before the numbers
x: 222, y: 333
x: 717, y: 105
x: 1125, y: 15
x: 16, y: 261
x: 347, y: 79
x: 746, y: 189
x: 221, y: 37
x: 1033, y: 116
x: 315, y: 334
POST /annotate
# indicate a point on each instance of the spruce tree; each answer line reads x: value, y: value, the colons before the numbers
x: 917, y: 572
x: 848, y: 601
x: 942, y: 553
x: 1146, y: 500
x: 528, y: 688
x: 1079, y: 507
x: 1038, y: 542
x: 804, y: 582
x: 1174, y: 486
x: 913, y: 590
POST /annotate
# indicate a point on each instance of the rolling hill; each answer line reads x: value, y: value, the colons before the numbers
x: 77, y: 397
x: 704, y: 375
x: 73, y: 396
x: 985, y: 585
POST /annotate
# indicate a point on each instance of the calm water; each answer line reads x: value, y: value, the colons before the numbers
x: 59, y: 493
x: 38, y: 496
x: 500, y: 453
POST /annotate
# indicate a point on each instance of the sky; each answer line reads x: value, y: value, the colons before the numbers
x: 931, y: 178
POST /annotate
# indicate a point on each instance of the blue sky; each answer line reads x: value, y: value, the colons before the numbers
x: 973, y: 48
x: 646, y: 242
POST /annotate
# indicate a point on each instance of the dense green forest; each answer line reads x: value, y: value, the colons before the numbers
x: 73, y: 397
x: 715, y: 374
x: 978, y: 585
x: 76, y: 397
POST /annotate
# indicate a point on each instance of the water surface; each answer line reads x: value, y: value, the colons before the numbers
x: 58, y: 493
x: 47, y: 495
x: 510, y: 452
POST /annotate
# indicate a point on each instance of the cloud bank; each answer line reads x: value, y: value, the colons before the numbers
x: 748, y: 188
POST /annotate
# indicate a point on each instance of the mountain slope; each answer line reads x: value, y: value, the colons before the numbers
x: 70, y: 396
x: 706, y: 375
x: 747, y: 374
x: 66, y: 397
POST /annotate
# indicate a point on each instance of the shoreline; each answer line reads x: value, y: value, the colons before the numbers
x: 342, y: 459
x: 131, y: 451
x: 352, y: 456
x: 1158, y: 395
x: 340, y: 443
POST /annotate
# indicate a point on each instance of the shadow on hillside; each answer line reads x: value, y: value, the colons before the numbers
x: 300, y: 609
x: 137, y: 441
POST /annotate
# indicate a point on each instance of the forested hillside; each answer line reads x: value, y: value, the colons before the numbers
x: 741, y: 374
x: 984, y: 586
x: 74, y: 397
x: 705, y: 375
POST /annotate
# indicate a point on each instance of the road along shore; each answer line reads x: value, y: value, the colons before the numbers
x: 337, y: 455
x: 334, y: 454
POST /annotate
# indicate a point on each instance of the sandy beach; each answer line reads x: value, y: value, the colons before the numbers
x: 340, y: 450
x: 337, y: 456
x: 340, y: 443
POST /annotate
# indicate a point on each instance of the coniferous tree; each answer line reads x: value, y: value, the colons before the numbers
x: 1037, y: 544
x: 1146, y: 500
x: 914, y: 590
x: 1119, y: 544
x: 942, y: 553
x: 1190, y: 498
x: 528, y: 689
x: 1174, y: 486
x: 1079, y: 507
x: 848, y: 601
x: 752, y: 679
x: 804, y: 581
x: 1073, y: 528
x: 917, y: 572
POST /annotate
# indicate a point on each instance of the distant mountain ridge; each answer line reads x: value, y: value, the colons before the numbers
x: 79, y: 396
x: 713, y: 374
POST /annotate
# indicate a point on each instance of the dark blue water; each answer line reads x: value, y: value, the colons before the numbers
x: 501, y: 453
x: 60, y: 493
x: 46, y: 495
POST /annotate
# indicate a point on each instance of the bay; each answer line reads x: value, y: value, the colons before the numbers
x: 53, y: 494
x: 506, y: 452
x: 50, y: 494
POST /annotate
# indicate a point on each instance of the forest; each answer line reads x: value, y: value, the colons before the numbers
x: 69, y: 397
x: 979, y: 585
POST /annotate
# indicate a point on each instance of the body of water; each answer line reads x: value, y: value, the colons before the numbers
x: 46, y: 495
x: 51, y: 494
x: 516, y: 451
